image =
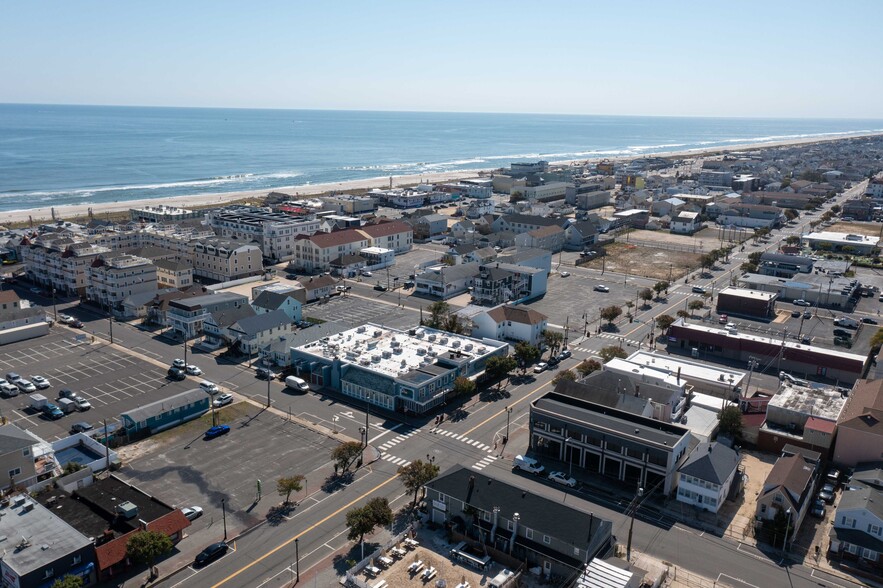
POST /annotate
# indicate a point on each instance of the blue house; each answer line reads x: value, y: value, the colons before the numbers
x: 165, y: 414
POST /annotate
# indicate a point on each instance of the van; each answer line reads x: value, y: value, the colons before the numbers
x: 209, y: 387
x: 528, y: 464
x: 845, y: 321
x: 296, y: 383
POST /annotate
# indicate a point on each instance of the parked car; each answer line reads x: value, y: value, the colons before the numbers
x: 724, y: 319
x: 826, y: 495
x: 40, y: 382
x: 26, y: 386
x: 209, y: 387
x: 343, y: 288
x: 802, y: 302
x: 409, y: 284
x: 52, y: 411
x: 192, y: 370
x: 12, y: 377
x: 192, y: 512
x: 76, y: 323
x: 82, y: 404
x: 211, y: 553
x: 818, y: 508
x: 366, y: 273
x: 81, y: 427
x: 380, y: 288
x: 176, y: 374
x: 540, y: 367
x: 8, y: 390
x: 222, y: 400
x: 527, y: 464
x: 842, y: 333
x: 562, y: 478
x: 564, y: 354
x: 795, y: 313
x: 66, y: 393
x: 807, y: 314
x: 65, y: 319
x: 553, y: 361
x: 601, y: 288
x: 564, y: 274
x: 179, y: 363
x: 264, y: 373
x: 217, y: 431
x: 698, y: 290
x: 833, y: 476
x: 869, y: 321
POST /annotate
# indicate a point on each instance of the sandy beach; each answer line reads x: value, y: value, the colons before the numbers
x: 185, y: 201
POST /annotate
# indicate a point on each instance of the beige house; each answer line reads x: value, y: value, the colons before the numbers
x: 316, y: 252
x: 16, y: 457
x: 173, y: 274
x: 789, y: 485
x: 112, y: 278
x: 224, y: 260
x: 860, y: 426
x: 395, y: 235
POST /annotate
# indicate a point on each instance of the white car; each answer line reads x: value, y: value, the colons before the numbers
x: 222, y: 400
x: 179, y: 363
x: 82, y: 404
x: 65, y: 319
x: 601, y: 288
x: 192, y: 512
x: 193, y: 370
x: 209, y: 387
x: 40, y: 382
x: 366, y: 273
x: 26, y: 386
x: 561, y: 478
x: 540, y: 367
x: 565, y: 274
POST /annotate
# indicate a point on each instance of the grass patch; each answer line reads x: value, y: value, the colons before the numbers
x: 315, y: 321
x: 226, y: 415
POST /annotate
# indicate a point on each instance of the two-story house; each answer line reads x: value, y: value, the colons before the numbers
x: 857, y: 530
x: 285, y: 298
x: 16, y: 457
x: 518, y: 521
x: 509, y: 323
x: 257, y: 332
x: 705, y: 479
x: 788, y: 487
x: 186, y: 315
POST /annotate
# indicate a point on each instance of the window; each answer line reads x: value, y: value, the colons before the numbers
x: 509, y: 525
x: 528, y: 533
x: 873, y: 529
x: 486, y: 516
x: 48, y: 573
x: 15, y: 472
x: 547, y: 540
x: 77, y: 559
x: 576, y: 551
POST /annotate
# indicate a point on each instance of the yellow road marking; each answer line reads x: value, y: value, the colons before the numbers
x: 493, y: 416
x: 304, y: 532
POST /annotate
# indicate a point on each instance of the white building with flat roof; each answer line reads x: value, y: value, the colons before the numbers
x: 862, y: 244
x: 704, y: 378
x: 403, y: 371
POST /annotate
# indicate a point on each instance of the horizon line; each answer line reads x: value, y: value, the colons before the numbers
x: 371, y: 110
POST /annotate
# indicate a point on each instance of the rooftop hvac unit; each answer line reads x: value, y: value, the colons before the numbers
x: 431, y: 337
x: 377, y: 332
x: 419, y: 334
x: 421, y: 351
x: 375, y: 358
x: 443, y: 340
x: 395, y: 344
x: 468, y: 347
x: 361, y: 329
x: 481, y: 350
x: 397, y: 350
x: 365, y: 361
x: 455, y: 343
x: 387, y: 354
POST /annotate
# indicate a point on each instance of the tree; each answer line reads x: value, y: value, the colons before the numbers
x: 71, y: 467
x: 754, y: 257
x: 587, y: 366
x: 731, y: 421
x: 664, y: 321
x: 525, y: 354
x: 380, y: 511
x: 363, y: 520
x: 791, y: 214
x: 610, y: 313
x: 748, y: 267
x: 146, y: 546
x: 346, y: 454
x: 695, y: 305
x: 660, y: 287
x: 645, y: 294
x: 611, y: 351
x: 877, y: 340
x: 564, y: 375
x: 683, y: 313
x: 836, y: 209
x: 463, y: 387
x: 516, y: 197
x: 792, y: 240
x: 553, y: 340
x: 497, y: 367
x: 68, y: 581
x: 285, y: 486
x: 417, y: 474
x: 707, y: 261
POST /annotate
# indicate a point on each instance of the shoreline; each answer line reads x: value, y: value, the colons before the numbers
x: 44, y: 213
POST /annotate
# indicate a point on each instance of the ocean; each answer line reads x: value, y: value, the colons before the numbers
x: 59, y: 155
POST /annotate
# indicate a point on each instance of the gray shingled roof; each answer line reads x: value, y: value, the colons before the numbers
x: 230, y: 316
x: 712, y: 462
x: 142, y: 413
x: 13, y: 439
x: 259, y: 323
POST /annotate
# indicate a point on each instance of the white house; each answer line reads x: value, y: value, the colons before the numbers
x: 280, y: 297
x: 509, y: 323
x: 256, y: 332
x: 705, y: 478
x: 857, y: 532
x: 685, y: 223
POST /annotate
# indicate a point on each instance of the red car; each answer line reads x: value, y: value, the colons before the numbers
x: 724, y: 319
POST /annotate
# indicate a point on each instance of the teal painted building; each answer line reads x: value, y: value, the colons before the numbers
x: 165, y: 414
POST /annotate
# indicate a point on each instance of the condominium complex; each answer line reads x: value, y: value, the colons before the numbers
x: 111, y: 278
x: 275, y: 233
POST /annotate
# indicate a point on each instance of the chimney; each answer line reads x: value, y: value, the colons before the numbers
x: 679, y: 374
x: 515, y: 518
x: 496, y: 519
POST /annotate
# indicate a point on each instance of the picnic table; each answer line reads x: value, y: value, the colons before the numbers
x: 463, y: 585
x: 411, y: 544
x: 398, y: 552
x: 381, y: 584
x: 415, y: 567
x: 429, y: 573
x: 385, y: 561
x: 372, y: 571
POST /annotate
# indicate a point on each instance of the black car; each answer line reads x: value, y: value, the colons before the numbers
x: 380, y: 288
x: 842, y: 333
x: 211, y: 553
x: 553, y: 361
x: 795, y: 313
x: 264, y: 374
x: 76, y: 323
x: 176, y: 374
x: 869, y: 321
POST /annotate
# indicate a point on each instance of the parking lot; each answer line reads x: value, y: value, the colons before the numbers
x: 110, y: 380
x: 184, y: 469
x: 355, y: 311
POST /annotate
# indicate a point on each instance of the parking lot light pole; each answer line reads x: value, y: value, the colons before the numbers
x: 268, y: 389
x: 224, y: 514
x: 296, y: 560
x: 185, y: 348
x: 110, y: 324
x: 54, y: 308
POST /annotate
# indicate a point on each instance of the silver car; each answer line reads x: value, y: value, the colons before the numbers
x: 26, y: 386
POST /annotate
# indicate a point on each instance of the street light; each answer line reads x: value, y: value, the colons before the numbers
x: 297, y: 558
x: 788, y: 526
x: 508, y: 410
x: 224, y: 514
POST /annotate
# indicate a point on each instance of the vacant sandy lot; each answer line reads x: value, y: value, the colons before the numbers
x: 869, y: 229
x: 649, y: 262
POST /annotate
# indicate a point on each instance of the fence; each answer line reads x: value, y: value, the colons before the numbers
x: 696, y: 248
x: 352, y: 580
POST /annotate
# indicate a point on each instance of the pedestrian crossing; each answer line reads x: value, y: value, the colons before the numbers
x: 617, y: 338
x: 483, y: 463
x: 401, y: 462
x: 463, y: 439
x: 411, y: 431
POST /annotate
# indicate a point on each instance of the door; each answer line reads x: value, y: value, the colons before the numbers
x: 547, y: 568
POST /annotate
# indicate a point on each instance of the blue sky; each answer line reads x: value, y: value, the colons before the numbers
x: 794, y: 59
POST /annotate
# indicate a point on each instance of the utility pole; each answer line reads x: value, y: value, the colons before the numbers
x: 269, y: 377
x: 54, y: 308
x: 297, y: 559
x: 185, y: 345
x: 110, y: 323
x: 224, y: 514
x: 634, y: 509
x: 508, y: 412
x: 566, y: 330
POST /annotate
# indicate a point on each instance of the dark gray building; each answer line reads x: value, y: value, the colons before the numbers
x: 640, y: 451
x: 512, y: 520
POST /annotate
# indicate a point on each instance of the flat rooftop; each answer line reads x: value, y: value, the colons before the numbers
x: 690, y: 370
x: 845, y: 238
x: 395, y: 352
x: 34, y: 536
x: 818, y: 401
x: 747, y: 293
